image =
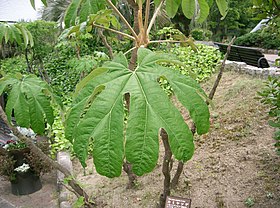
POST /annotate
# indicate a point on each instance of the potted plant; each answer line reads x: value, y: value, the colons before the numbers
x: 21, y: 167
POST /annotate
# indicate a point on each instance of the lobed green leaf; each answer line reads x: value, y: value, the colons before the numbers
x: 223, y: 7
x: 188, y: 8
x: 204, y: 10
x: 97, y: 115
x: 30, y: 100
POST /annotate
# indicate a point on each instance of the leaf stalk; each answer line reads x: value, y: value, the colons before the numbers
x: 123, y: 19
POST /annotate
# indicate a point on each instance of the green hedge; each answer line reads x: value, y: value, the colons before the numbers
x: 201, y: 64
x: 260, y: 39
x: 201, y: 34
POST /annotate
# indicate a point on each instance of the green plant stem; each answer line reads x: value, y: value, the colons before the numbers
x: 147, y: 14
x: 154, y: 17
x: 123, y: 19
x: 129, y: 50
x: 114, y: 31
x: 168, y: 41
x: 39, y: 153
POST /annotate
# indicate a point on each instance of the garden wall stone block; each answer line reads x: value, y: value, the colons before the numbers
x: 64, y: 159
x: 242, y: 67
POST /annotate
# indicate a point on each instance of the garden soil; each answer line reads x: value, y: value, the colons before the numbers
x: 234, y: 166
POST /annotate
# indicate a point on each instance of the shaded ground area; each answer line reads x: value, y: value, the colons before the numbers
x: 45, y: 198
x: 234, y: 165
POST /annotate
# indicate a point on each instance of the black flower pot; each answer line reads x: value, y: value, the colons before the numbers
x: 26, y: 183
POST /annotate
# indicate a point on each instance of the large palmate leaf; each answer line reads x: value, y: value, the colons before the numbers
x: 204, y: 10
x: 223, y: 7
x: 82, y: 9
x: 29, y: 100
x: 103, y: 18
x: 15, y: 33
x: 97, y: 114
x: 189, y: 7
x: 172, y: 7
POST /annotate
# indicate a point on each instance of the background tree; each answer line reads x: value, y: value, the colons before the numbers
x: 55, y: 11
x: 237, y: 22
x: 266, y: 9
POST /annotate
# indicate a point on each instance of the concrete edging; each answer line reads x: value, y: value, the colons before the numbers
x: 242, y: 67
x: 64, y: 159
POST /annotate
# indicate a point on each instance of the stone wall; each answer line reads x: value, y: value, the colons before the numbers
x: 242, y: 67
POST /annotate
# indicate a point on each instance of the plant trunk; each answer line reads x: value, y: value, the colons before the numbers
x: 132, y: 180
x: 175, y: 179
x: 180, y: 167
x: 38, y: 152
x: 166, y: 168
x: 29, y: 68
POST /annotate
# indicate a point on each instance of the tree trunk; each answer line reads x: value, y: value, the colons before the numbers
x: 43, y: 72
x: 132, y: 178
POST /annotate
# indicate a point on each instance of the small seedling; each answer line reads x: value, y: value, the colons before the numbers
x: 269, y: 195
x: 249, y: 202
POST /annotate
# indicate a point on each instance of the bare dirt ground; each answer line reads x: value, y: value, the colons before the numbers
x: 234, y: 165
x: 44, y: 198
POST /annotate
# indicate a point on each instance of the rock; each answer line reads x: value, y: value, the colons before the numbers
x: 63, y: 196
x: 65, y: 204
x: 63, y: 158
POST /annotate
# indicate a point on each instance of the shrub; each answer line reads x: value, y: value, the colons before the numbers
x: 263, y: 39
x: 44, y: 35
x: 166, y: 33
x: 270, y: 96
x: 200, y: 64
x: 12, y: 65
x: 201, y: 34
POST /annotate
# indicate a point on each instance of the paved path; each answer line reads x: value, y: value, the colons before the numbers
x: 5, y: 204
x: 271, y: 57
